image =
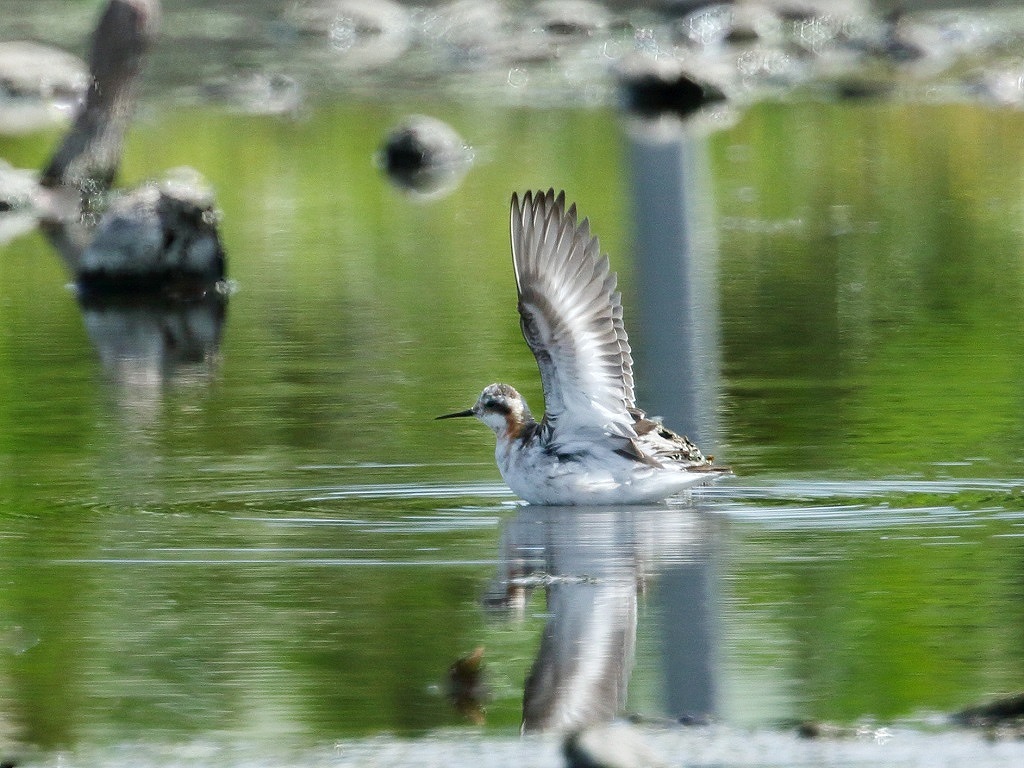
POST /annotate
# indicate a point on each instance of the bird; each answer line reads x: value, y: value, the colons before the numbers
x: 593, y: 446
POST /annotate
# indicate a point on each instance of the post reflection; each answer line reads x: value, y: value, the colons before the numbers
x: 678, y: 364
x: 676, y: 262
x: 594, y: 564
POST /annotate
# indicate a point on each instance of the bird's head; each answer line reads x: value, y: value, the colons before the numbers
x: 501, y: 408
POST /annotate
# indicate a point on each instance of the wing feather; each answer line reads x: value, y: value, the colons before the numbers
x: 571, y: 316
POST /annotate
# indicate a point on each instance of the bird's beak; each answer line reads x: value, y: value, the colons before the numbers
x: 460, y: 414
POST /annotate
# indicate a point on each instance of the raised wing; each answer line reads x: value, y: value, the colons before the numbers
x: 571, y: 316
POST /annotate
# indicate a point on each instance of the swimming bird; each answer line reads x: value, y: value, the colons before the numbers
x: 593, y: 445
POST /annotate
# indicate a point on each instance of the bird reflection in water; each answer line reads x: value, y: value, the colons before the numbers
x: 593, y: 564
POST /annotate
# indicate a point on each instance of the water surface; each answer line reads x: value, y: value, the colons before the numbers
x: 238, y: 533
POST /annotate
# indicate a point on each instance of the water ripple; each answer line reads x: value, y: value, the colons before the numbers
x: 817, y: 489
x: 869, y: 504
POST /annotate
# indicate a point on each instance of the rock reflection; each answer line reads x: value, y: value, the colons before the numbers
x: 145, y: 342
x: 594, y: 563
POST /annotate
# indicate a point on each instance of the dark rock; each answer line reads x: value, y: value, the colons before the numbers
x: 1000, y: 711
x: 424, y: 156
x: 159, y: 237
